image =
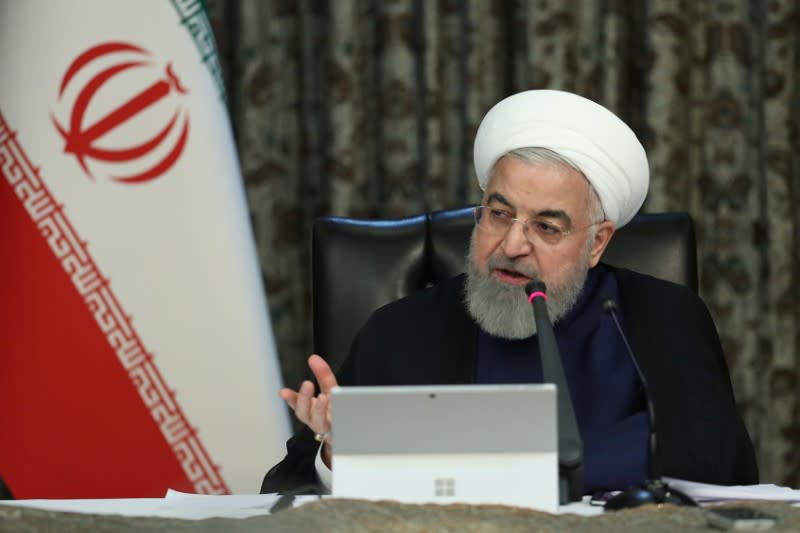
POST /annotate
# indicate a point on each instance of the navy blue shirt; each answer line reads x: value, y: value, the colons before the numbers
x: 605, y: 389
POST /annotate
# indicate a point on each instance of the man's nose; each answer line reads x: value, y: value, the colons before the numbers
x: 516, y: 243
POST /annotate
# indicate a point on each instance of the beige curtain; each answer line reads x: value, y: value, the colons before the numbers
x: 368, y: 108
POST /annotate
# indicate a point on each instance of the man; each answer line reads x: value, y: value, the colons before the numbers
x: 559, y: 173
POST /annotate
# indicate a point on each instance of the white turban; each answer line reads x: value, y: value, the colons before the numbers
x: 603, y: 147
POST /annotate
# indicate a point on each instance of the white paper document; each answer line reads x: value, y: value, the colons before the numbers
x: 174, y: 504
x: 707, y: 493
x: 201, y: 506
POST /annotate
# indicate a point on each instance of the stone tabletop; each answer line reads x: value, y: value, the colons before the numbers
x: 355, y: 516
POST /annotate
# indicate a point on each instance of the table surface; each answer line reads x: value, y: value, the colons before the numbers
x: 367, y: 516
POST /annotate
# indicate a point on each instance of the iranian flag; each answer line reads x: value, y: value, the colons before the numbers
x: 136, y: 352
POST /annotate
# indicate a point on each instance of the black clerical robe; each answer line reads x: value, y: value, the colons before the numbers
x: 429, y: 338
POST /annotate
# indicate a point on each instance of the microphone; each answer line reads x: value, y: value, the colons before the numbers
x: 654, y: 489
x: 570, y: 445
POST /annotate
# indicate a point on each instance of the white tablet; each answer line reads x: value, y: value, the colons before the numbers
x: 446, y: 444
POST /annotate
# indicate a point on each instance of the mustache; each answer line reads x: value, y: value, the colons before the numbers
x: 500, y: 261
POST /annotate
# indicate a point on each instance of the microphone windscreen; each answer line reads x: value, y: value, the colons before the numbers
x: 609, y: 305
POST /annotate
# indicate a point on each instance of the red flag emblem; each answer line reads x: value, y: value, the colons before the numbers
x: 101, y: 66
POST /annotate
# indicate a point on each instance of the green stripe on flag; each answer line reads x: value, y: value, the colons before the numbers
x: 194, y: 17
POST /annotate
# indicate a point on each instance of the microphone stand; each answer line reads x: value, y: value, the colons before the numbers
x: 570, y: 445
x: 654, y: 489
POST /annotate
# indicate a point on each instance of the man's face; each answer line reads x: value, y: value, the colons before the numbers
x: 500, y: 265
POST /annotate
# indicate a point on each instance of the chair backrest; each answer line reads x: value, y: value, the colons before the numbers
x: 360, y: 265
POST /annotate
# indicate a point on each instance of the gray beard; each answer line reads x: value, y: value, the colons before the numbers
x: 503, y: 310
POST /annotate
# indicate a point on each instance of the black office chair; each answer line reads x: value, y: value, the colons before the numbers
x: 360, y: 265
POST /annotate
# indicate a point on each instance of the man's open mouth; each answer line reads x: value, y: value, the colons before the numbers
x: 511, y: 276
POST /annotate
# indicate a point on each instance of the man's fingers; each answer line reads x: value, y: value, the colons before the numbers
x: 319, y: 415
x: 289, y: 396
x: 322, y: 371
x: 310, y: 410
x: 305, y: 397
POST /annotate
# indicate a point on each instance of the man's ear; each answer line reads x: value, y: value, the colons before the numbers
x: 604, y: 232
